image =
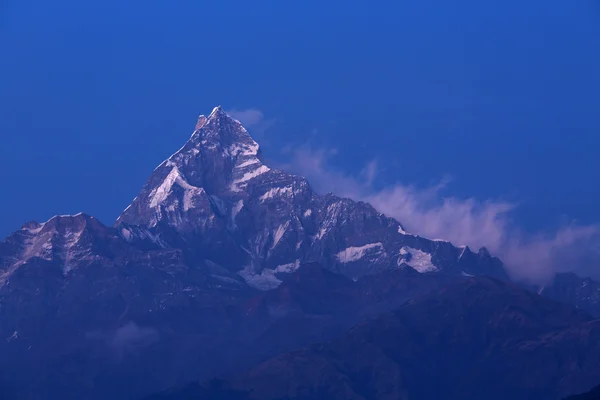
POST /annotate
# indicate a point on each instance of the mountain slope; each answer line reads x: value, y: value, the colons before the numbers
x: 583, y: 293
x: 132, y: 316
x: 477, y: 339
x: 76, y: 296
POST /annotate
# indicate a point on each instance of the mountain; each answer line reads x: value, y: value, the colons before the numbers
x: 477, y: 339
x: 138, y: 321
x: 593, y: 394
x: 80, y: 307
x: 581, y: 292
x: 218, y: 264
x: 217, y: 200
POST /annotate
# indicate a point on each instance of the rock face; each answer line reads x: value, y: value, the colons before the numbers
x: 220, y: 262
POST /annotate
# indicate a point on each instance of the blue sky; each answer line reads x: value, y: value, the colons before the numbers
x: 503, y: 97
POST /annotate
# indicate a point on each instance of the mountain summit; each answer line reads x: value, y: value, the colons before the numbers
x: 217, y: 199
x: 219, y: 159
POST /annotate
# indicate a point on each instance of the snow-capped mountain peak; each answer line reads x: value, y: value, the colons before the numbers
x: 64, y: 239
x: 220, y: 128
x: 215, y: 197
x: 213, y: 168
x: 218, y: 111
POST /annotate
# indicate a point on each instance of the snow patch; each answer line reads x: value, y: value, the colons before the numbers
x: 71, y: 239
x: 322, y: 232
x: 266, y: 280
x: 416, y: 259
x: 279, y: 233
x: 126, y: 233
x: 214, y: 111
x: 279, y: 191
x: 356, y: 253
x: 288, y: 268
x: 247, y: 163
x: 36, y: 230
x: 142, y: 233
x: 162, y: 192
x: 248, y: 176
x: 333, y: 213
x: 237, y: 207
x: 189, y: 195
x: 247, y: 150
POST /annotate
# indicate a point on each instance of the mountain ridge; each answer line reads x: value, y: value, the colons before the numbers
x: 220, y: 262
x: 457, y: 342
x: 236, y: 186
x: 267, y: 221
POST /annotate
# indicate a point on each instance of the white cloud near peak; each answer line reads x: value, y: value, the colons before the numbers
x: 251, y: 118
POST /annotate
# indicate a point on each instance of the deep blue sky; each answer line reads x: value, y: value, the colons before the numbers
x: 504, y: 96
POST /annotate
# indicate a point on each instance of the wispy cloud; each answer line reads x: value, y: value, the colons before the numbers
x: 131, y: 337
x: 478, y: 223
x: 128, y: 339
x: 252, y: 118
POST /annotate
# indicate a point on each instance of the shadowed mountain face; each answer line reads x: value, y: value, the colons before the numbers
x: 583, y: 293
x: 219, y: 263
x: 132, y: 329
x: 478, y: 339
x: 593, y: 394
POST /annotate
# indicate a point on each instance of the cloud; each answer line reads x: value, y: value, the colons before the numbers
x: 252, y: 119
x: 128, y: 339
x: 477, y: 223
x: 537, y: 257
